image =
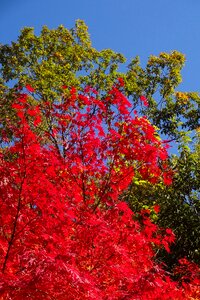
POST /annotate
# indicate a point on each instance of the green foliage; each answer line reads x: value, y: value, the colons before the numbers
x: 62, y: 57
x: 179, y: 204
x: 55, y: 58
x: 171, y: 111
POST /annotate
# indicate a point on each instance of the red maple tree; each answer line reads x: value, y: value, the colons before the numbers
x: 64, y: 233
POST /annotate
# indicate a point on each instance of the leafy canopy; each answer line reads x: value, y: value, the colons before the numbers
x: 64, y: 233
x: 60, y: 58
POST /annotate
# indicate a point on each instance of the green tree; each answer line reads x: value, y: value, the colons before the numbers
x: 179, y: 205
x: 61, y: 57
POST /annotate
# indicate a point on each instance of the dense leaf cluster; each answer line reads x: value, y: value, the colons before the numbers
x: 64, y: 233
x: 56, y: 62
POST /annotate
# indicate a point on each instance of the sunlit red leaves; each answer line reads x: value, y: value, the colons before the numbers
x: 156, y: 208
x: 30, y: 88
x: 144, y: 100
x: 64, y: 232
x: 167, y: 176
x: 121, y: 81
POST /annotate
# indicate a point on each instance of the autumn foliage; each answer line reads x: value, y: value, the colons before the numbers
x: 64, y: 232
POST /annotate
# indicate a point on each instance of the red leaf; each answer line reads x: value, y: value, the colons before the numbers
x: 156, y: 208
x: 30, y: 88
x: 144, y: 100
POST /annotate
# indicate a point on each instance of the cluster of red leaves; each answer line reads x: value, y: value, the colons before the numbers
x: 144, y: 100
x: 64, y: 234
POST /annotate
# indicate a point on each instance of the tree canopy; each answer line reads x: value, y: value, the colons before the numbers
x: 58, y: 61
x: 65, y: 234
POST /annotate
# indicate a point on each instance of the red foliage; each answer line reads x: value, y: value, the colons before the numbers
x: 144, y: 100
x: 64, y: 234
x: 156, y: 208
x: 30, y: 88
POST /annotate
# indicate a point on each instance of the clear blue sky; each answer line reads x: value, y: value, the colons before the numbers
x: 132, y: 27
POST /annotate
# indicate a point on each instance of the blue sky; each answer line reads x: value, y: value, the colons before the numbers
x: 132, y: 27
